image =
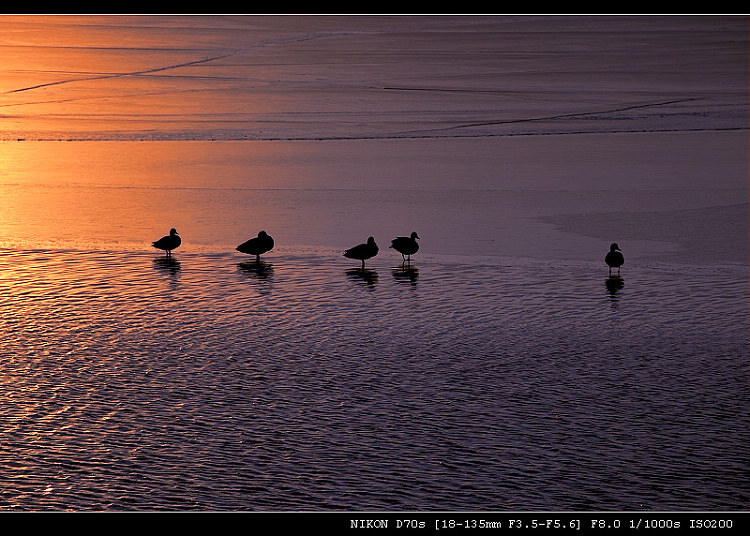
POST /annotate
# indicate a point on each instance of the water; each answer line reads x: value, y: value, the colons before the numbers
x: 132, y: 383
x: 503, y: 370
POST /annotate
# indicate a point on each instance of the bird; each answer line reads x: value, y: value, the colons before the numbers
x: 263, y: 243
x: 406, y: 245
x: 169, y: 242
x: 363, y: 251
x: 614, y: 258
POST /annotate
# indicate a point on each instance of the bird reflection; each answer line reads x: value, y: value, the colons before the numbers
x: 405, y: 274
x: 363, y: 276
x: 169, y: 265
x: 258, y: 269
x: 614, y: 284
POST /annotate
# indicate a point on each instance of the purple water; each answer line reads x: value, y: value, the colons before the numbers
x: 504, y: 371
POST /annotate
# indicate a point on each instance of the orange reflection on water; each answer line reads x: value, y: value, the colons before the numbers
x: 95, y: 77
x: 101, y: 195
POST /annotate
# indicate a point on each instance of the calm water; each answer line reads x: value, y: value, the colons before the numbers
x: 504, y: 371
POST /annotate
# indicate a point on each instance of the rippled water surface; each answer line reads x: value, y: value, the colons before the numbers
x: 212, y: 382
x: 504, y: 371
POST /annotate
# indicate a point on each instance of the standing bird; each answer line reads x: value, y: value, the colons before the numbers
x: 362, y: 251
x: 614, y: 258
x: 263, y: 243
x: 406, y: 245
x: 169, y: 242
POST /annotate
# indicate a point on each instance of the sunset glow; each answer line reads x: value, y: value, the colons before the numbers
x: 504, y: 365
x: 98, y: 77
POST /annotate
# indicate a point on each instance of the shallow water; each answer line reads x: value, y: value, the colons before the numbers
x: 135, y: 383
x: 506, y: 371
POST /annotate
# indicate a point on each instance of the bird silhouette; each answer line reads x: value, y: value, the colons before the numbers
x: 614, y: 258
x: 169, y: 242
x: 363, y: 252
x: 406, y: 245
x: 263, y: 243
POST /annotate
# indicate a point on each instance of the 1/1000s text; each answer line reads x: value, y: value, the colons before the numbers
x: 573, y: 523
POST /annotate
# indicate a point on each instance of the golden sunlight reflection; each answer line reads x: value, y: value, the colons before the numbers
x: 518, y: 150
x: 64, y: 77
x: 115, y: 195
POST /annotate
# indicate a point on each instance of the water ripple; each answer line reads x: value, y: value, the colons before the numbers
x: 134, y: 384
